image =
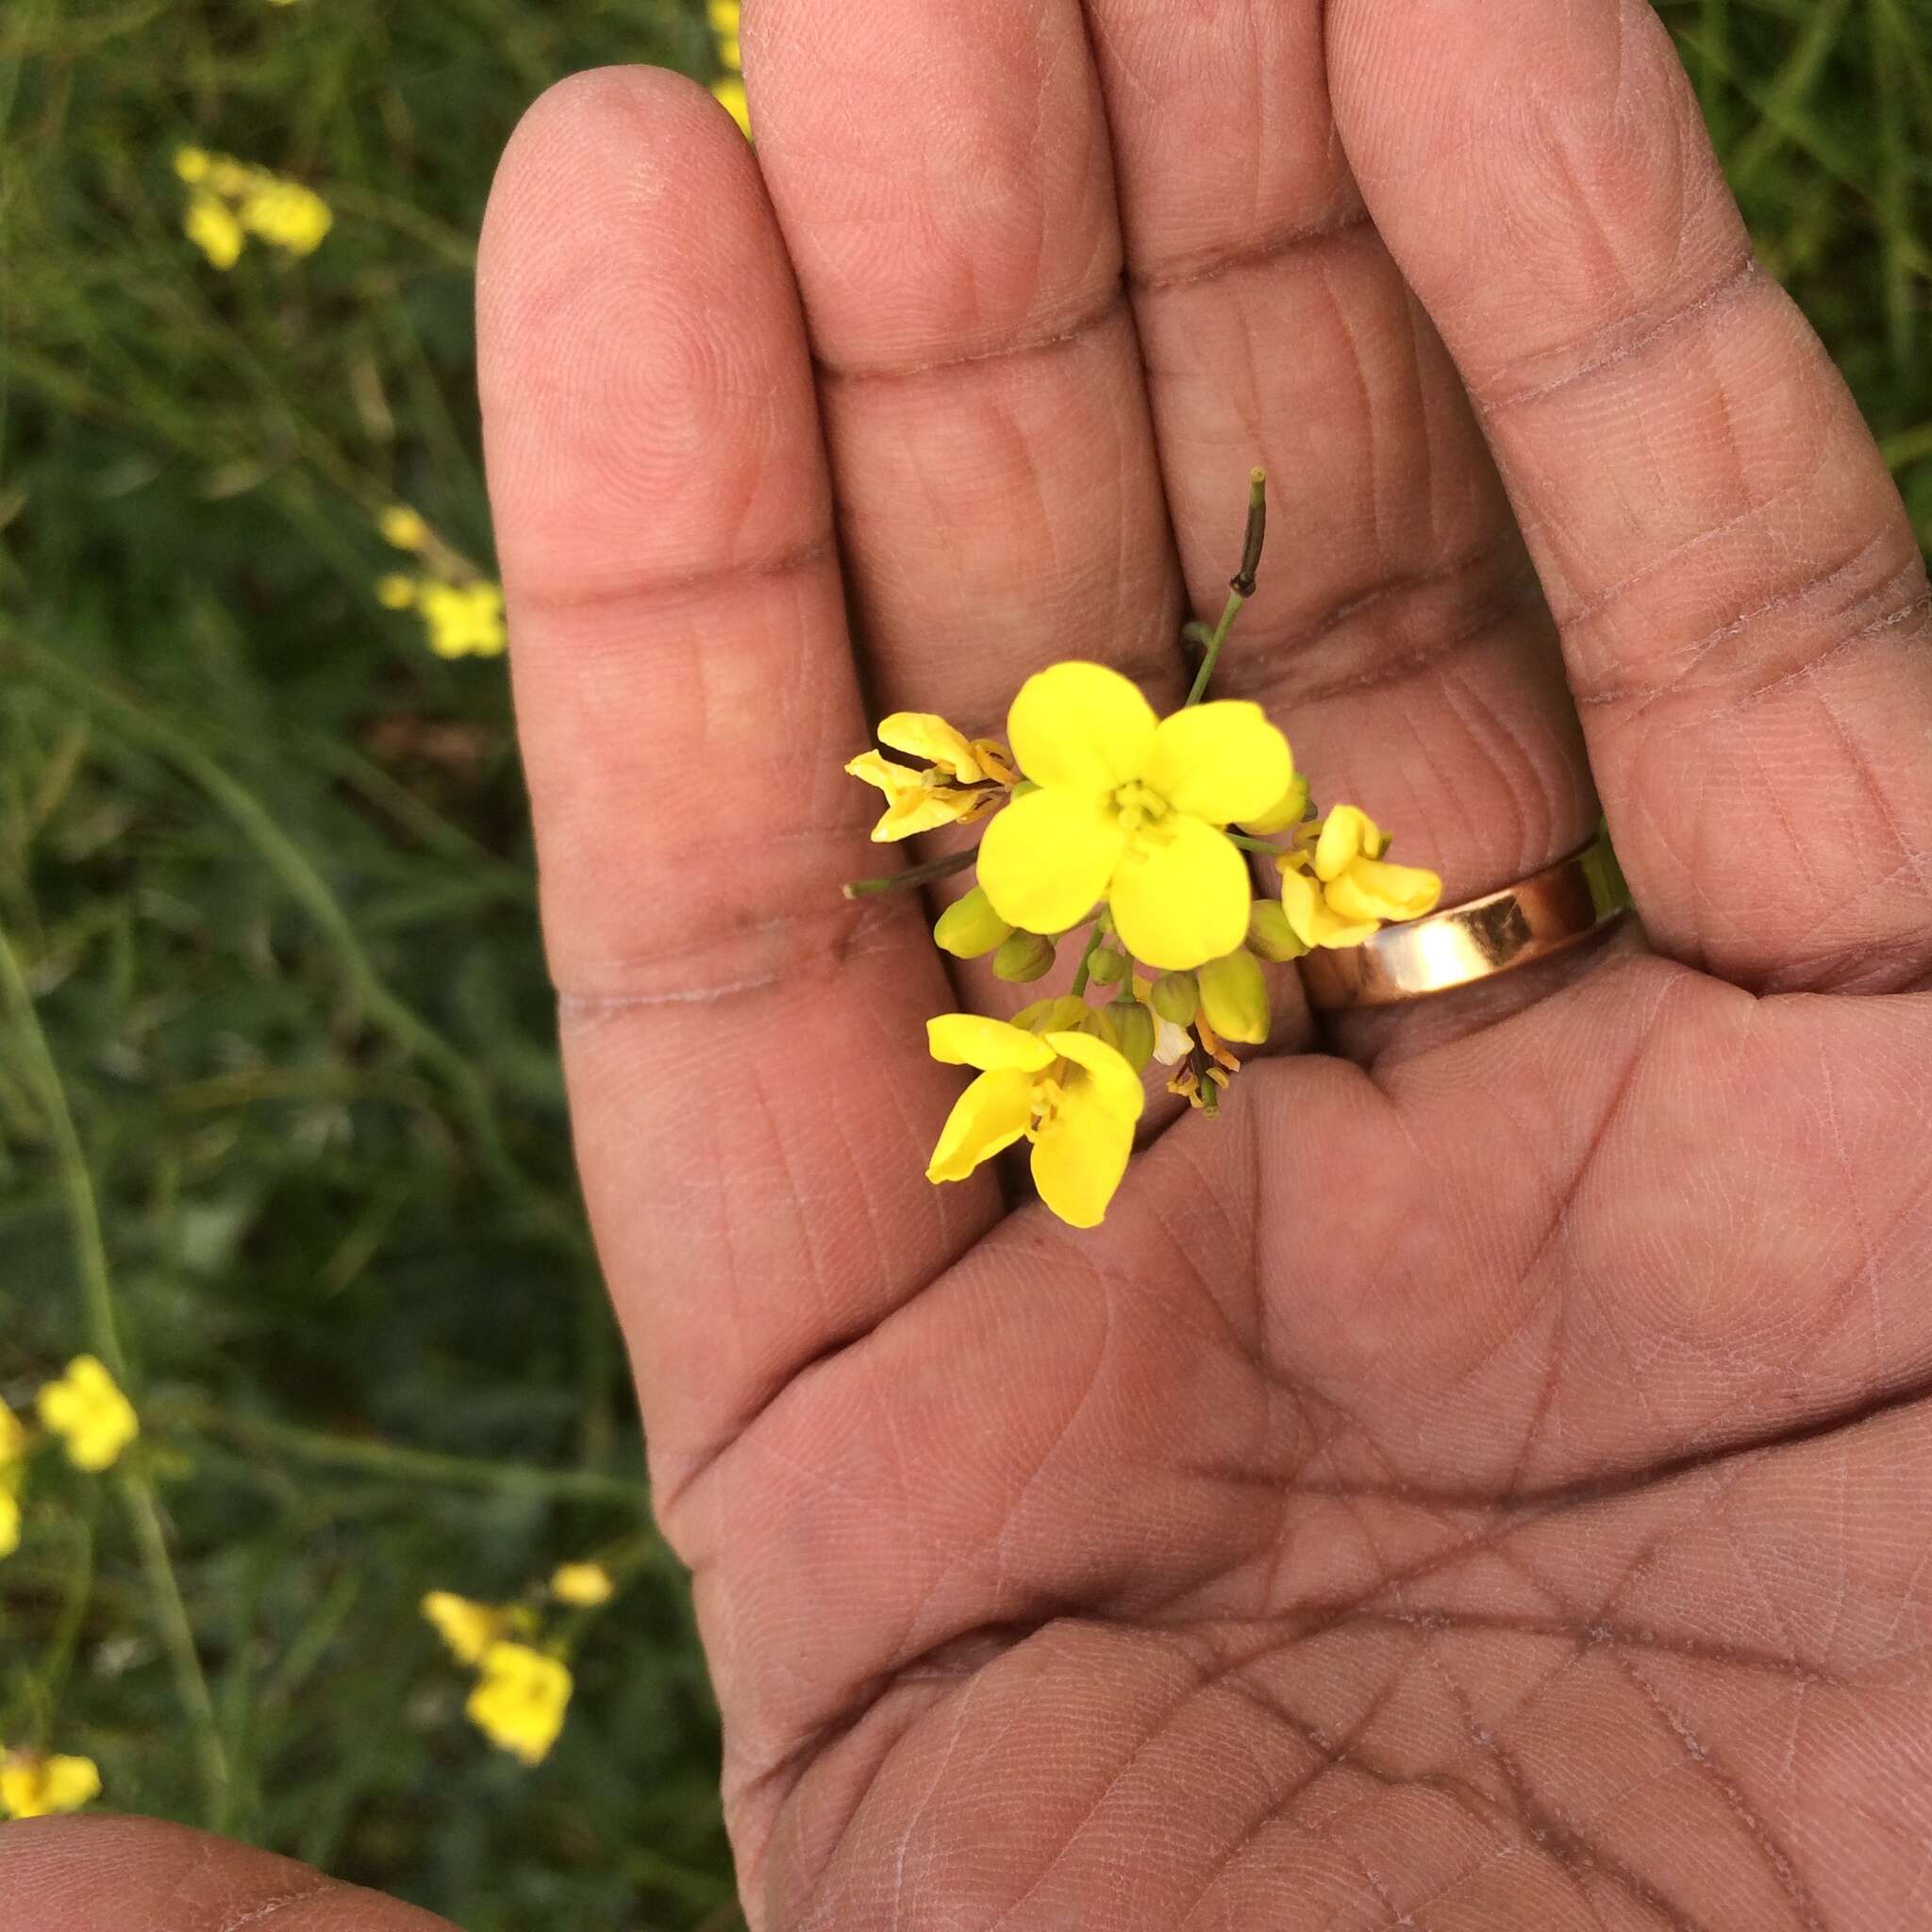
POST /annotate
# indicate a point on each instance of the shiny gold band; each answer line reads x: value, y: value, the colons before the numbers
x: 1530, y: 920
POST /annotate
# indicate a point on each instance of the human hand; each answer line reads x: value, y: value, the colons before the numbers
x: 1483, y: 1479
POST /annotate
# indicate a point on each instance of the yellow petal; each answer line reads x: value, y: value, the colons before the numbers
x: 1180, y: 898
x: 925, y: 735
x: 1081, y: 1155
x: 1080, y: 725
x: 970, y: 1040
x: 1221, y: 763
x: 1374, y: 889
x: 67, y: 1783
x: 1347, y: 834
x: 1102, y: 1068
x: 1309, y: 913
x: 992, y: 1113
x: 730, y: 90
x: 1047, y: 857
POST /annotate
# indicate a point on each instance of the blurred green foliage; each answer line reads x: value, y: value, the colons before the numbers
x: 265, y: 875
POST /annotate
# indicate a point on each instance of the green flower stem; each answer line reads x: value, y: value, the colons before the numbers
x: 375, y: 1457
x: 913, y: 874
x: 1243, y: 587
x: 1086, y: 965
x: 1248, y: 844
x: 103, y: 1335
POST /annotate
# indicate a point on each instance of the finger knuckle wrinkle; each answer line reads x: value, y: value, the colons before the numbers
x: 1621, y: 339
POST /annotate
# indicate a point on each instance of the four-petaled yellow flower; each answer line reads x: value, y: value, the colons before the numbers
x: 1131, y: 808
x: 36, y: 1786
x: 464, y: 620
x: 87, y: 1410
x: 1337, y: 887
x: 1074, y: 1096
x: 520, y: 1702
x: 585, y: 1585
x: 468, y: 1628
x: 922, y: 798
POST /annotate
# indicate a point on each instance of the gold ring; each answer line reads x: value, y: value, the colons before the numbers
x: 1530, y: 920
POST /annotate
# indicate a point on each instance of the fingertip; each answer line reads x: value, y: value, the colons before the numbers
x: 108, y: 1874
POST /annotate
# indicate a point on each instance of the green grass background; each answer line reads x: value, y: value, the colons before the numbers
x: 278, y: 1097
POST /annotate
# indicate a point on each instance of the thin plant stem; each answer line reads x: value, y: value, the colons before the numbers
x: 912, y: 875
x: 1243, y: 586
x: 104, y: 1336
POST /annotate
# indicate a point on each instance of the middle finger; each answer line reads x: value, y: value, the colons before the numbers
x: 1398, y: 635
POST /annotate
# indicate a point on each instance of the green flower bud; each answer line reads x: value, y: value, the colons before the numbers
x: 1022, y: 956
x: 968, y: 927
x: 1270, y: 936
x: 1234, y: 997
x: 1175, y: 997
x: 1063, y: 1013
x: 1099, y: 1022
x: 1133, y: 1026
x: 1105, y: 966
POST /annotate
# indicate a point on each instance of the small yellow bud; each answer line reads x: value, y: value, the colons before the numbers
x: 1289, y: 810
x: 395, y: 592
x: 403, y: 526
x: 1175, y: 997
x: 1133, y: 1026
x: 192, y: 163
x: 1106, y: 967
x: 968, y: 927
x: 1234, y: 997
x: 1024, y: 957
x: 1270, y: 936
x: 585, y: 1585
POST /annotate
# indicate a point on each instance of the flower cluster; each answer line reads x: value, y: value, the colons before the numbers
x: 85, y: 1408
x: 461, y: 611
x: 729, y: 86
x: 1138, y: 829
x: 524, y: 1684
x: 230, y: 201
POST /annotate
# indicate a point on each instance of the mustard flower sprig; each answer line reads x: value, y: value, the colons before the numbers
x: 524, y: 1681
x: 231, y: 202
x: 1143, y: 830
x: 462, y: 610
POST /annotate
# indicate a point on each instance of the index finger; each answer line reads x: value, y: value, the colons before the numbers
x: 744, y: 1047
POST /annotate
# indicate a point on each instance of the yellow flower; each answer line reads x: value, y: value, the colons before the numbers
x: 402, y: 527
x: 213, y: 229
x: 395, y: 592
x: 585, y: 1585
x: 1074, y: 1096
x: 724, y: 15
x: 468, y: 1628
x: 193, y: 164
x: 924, y: 797
x: 88, y: 1409
x: 464, y: 620
x: 520, y: 1702
x: 287, y: 214
x: 1337, y: 887
x: 730, y: 90
x: 1131, y: 809
x: 35, y: 1787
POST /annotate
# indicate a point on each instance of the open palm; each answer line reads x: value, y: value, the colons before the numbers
x: 1482, y: 1480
